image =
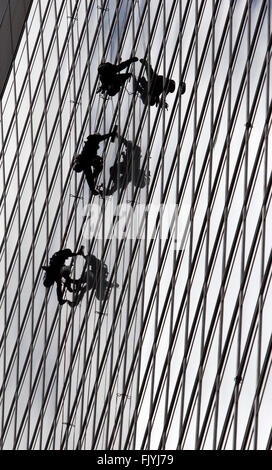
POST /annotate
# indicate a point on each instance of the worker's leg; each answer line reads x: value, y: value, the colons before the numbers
x: 108, y: 135
x: 90, y: 179
x: 123, y: 77
x: 125, y: 64
x: 59, y: 293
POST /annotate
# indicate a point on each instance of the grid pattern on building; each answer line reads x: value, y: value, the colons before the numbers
x: 173, y: 348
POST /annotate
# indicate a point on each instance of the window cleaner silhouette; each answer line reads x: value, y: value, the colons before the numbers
x: 89, y: 162
x: 111, y: 80
x: 59, y: 272
x: 158, y: 86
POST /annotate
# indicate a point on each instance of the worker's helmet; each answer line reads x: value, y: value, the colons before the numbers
x: 171, y: 86
x: 48, y: 279
x: 77, y: 165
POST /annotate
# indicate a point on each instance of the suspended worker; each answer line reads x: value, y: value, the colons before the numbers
x: 111, y: 80
x: 97, y: 277
x: 128, y: 169
x: 151, y: 93
x: 94, y: 277
x: 89, y: 162
x: 59, y: 272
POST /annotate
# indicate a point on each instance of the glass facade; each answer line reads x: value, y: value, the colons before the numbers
x: 170, y: 346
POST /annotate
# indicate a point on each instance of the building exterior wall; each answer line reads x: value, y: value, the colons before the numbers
x: 172, y: 348
x: 13, y: 15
